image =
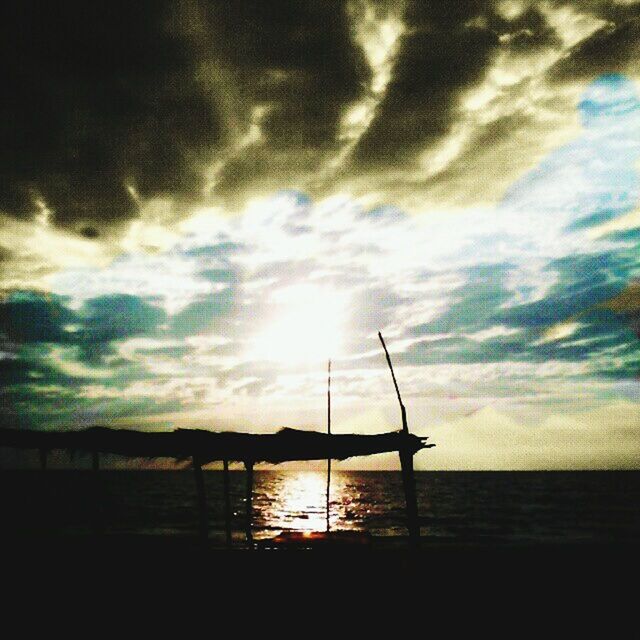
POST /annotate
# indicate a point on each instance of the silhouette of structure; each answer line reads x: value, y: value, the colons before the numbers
x: 207, y: 446
x: 203, y: 447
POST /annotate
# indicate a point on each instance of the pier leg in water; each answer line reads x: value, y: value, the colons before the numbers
x: 44, y: 493
x: 249, y: 501
x: 98, y: 527
x: 227, y: 501
x: 329, y: 458
x: 409, y: 485
x: 203, y: 528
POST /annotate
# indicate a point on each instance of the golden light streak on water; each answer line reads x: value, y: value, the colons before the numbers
x: 301, y: 500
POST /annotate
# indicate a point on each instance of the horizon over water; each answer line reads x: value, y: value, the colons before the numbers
x: 495, y: 507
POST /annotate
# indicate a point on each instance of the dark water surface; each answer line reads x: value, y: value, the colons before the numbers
x: 494, y: 507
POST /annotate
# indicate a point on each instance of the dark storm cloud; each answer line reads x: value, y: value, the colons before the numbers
x: 527, y: 32
x: 297, y: 57
x: 100, y: 95
x: 163, y: 96
x: 611, y: 10
x: 298, y: 62
x: 107, y: 319
x: 96, y: 96
x: 439, y: 56
x: 16, y: 370
x: 116, y: 317
x: 614, y: 47
x: 446, y: 50
x: 31, y: 317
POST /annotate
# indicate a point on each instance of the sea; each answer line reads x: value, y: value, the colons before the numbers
x: 459, y: 507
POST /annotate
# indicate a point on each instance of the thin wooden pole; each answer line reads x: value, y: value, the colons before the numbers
x: 203, y: 528
x: 329, y: 457
x: 227, y: 501
x: 406, y: 465
x: 248, y: 464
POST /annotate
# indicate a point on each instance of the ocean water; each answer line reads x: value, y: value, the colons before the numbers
x: 493, y: 507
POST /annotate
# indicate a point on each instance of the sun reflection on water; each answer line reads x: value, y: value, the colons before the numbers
x: 298, y: 503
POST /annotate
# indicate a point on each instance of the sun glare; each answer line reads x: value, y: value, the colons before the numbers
x: 307, y: 326
x: 299, y: 503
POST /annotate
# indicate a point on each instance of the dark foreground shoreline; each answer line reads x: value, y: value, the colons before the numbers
x: 464, y: 586
x: 120, y: 552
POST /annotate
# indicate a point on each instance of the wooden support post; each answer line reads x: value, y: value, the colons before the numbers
x: 409, y: 485
x: 44, y: 487
x: 329, y: 456
x: 203, y: 528
x: 227, y: 501
x: 406, y: 465
x: 97, y: 494
x: 248, y: 464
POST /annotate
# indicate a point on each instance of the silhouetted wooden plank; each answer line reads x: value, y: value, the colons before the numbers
x: 285, y: 445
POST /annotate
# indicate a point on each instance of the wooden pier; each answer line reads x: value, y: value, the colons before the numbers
x: 203, y: 447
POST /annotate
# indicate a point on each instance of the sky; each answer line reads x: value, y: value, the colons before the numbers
x: 202, y: 202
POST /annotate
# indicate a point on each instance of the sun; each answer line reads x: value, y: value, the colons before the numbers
x: 307, y: 326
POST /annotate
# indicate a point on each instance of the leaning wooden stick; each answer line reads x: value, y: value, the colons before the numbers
x: 403, y: 411
x: 406, y: 464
